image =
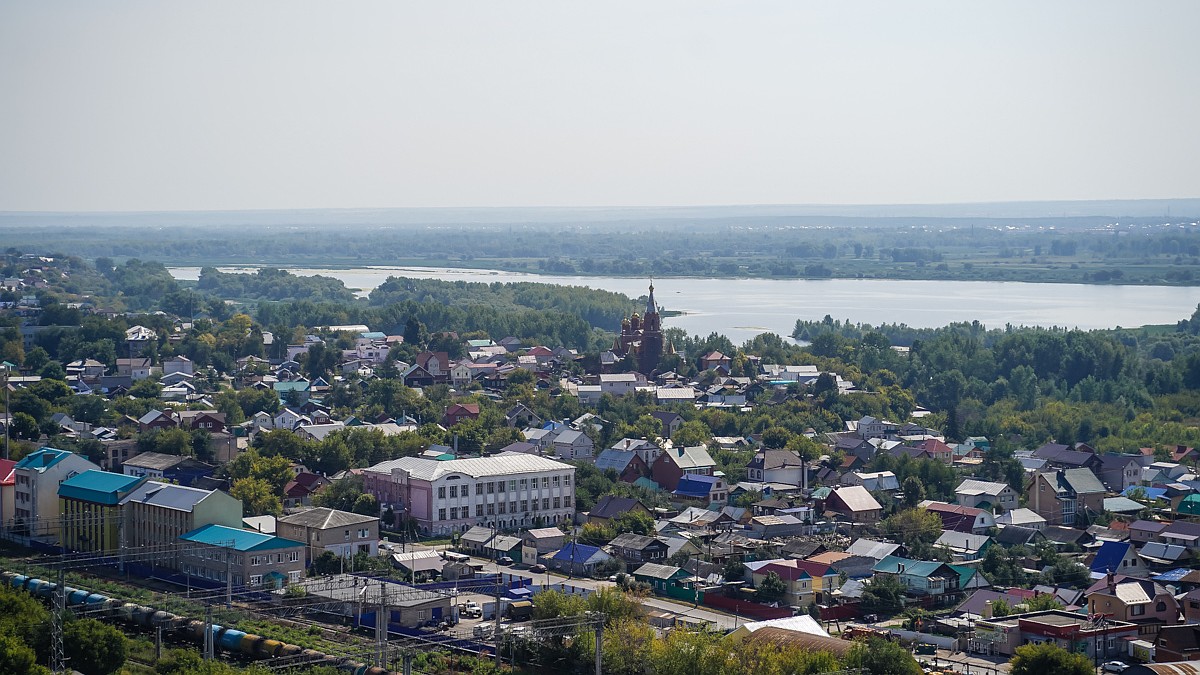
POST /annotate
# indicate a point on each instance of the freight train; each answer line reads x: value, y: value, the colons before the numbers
x: 184, y: 628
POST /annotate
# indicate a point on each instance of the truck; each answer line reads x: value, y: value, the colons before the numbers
x: 520, y: 610
x: 485, y: 630
x: 470, y: 610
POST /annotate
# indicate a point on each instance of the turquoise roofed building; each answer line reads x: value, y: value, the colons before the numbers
x: 923, y: 578
x: 36, y: 479
x: 218, y: 555
x: 90, y: 505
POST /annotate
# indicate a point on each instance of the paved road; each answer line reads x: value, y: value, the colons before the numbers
x: 968, y: 663
x: 722, y: 620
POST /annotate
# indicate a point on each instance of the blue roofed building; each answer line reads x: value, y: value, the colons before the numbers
x: 578, y: 559
x: 1117, y: 557
x: 90, y: 508
x: 215, y: 554
x: 701, y: 490
x: 35, y: 491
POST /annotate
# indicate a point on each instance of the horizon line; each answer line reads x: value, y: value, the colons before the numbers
x: 835, y: 205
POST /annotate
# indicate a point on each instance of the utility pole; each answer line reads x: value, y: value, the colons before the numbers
x: 58, y: 656
x: 381, y: 620
x: 599, y: 642
x: 121, y: 543
x: 496, y: 589
x: 209, y: 648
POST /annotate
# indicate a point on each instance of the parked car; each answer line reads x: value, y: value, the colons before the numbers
x: 1115, y: 667
x: 538, y: 568
x: 505, y: 560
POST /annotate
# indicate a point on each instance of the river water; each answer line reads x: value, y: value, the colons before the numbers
x: 743, y: 308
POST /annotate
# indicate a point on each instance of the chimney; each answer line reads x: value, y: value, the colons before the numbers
x: 1112, y: 583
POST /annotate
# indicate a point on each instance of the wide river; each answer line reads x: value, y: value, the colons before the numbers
x: 743, y: 308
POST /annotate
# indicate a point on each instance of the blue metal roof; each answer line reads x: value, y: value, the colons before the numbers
x: 1171, y: 576
x: 579, y: 553
x: 696, y: 486
x: 1151, y: 492
x: 1109, y: 557
x: 98, y: 487
x: 239, y: 540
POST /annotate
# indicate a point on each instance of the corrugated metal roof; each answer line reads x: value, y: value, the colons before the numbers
x: 324, y: 518
x: 40, y: 460
x: 656, y: 571
x: 101, y: 487
x: 168, y: 495
x: 857, y: 498
x: 503, y: 464
x: 239, y: 540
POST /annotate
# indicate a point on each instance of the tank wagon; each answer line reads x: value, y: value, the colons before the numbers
x: 231, y: 640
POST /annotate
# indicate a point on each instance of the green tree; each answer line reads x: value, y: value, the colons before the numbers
x: 366, y: 505
x: 89, y: 408
x: 883, y: 594
x: 94, y: 648
x: 146, y: 388
x: 913, y: 526
x: 691, y: 434
x: 1000, y: 608
x: 1043, y: 602
x: 615, y: 604
x: 258, y: 499
x: 735, y: 570
x: 341, y: 494
x: 914, y: 492
x: 1067, y: 572
x: 553, y: 604
x: 17, y: 658
x: 276, y: 471
x: 776, y: 437
x: 596, y: 534
x: 25, y: 426
x: 883, y: 657
x: 637, y: 522
x: 771, y: 588
x: 327, y: 563
x: 1047, y: 657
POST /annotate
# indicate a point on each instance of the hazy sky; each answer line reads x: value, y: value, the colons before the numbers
x: 241, y: 105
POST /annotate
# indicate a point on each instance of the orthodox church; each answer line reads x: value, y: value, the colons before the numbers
x: 642, y: 337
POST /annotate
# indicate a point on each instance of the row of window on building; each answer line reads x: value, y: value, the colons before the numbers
x: 505, y: 507
x: 492, y: 487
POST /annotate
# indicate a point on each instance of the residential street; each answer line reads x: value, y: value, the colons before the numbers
x: 720, y: 619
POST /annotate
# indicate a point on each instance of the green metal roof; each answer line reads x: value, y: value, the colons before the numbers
x: 98, y: 487
x: 239, y: 540
x: 1190, y: 505
x: 915, y: 568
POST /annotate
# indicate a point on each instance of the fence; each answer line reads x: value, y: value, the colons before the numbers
x: 750, y: 610
x: 912, y: 636
x: 843, y: 612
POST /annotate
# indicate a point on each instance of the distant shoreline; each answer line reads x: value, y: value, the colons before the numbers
x: 979, y: 272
